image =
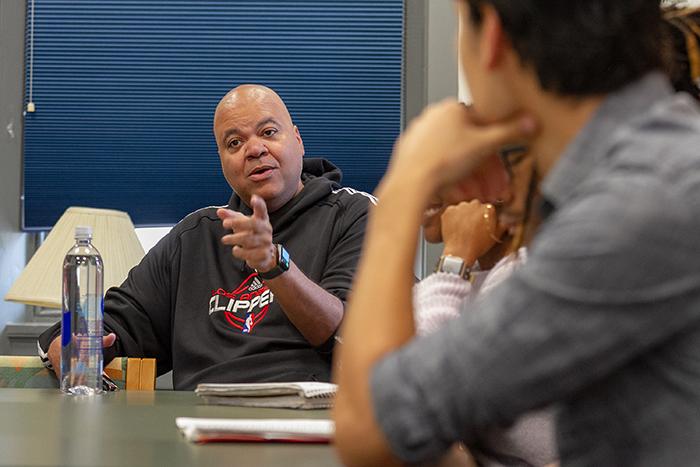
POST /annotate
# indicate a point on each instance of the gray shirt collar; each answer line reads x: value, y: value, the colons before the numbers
x: 598, y: 135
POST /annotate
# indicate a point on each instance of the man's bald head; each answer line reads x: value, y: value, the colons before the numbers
x: 255, y: 94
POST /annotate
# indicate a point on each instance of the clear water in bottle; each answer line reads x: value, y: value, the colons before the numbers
x: 81, y: 323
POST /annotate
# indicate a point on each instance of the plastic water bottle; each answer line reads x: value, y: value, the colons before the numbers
x: 81, y: 323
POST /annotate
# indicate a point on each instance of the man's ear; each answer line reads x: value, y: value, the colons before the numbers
x: 216, y: 136
x: 297, y: 135
x: 493, y: 41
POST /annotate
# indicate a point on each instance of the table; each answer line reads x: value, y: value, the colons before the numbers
x: 134, y: 428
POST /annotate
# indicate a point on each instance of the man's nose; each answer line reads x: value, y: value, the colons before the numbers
x: 255, y: 148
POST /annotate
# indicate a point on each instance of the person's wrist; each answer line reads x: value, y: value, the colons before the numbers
x: 282, y: 264
x: 271, y: 262
x: 454, y: 265
x: 408, y: 190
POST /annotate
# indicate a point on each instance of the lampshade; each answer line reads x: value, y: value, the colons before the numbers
x: 114, y: 237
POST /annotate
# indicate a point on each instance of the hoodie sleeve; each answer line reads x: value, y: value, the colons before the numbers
x: 139, y: 311
x: 345, y: 250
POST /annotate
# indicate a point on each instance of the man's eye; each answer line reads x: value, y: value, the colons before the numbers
x: 269, y: 132
x: 234, y: 143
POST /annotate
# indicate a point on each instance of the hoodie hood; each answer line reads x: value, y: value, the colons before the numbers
x: 317, y: 167
x: 319, y: 177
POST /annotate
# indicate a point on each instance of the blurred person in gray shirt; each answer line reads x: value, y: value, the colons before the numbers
x: 603, y: 322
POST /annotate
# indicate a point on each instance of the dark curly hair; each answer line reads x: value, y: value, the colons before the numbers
x: 683, y: 29
x: 582, y: 47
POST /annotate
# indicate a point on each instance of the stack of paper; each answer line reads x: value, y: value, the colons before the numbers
x: 204, y: 430
x: 303, y: 395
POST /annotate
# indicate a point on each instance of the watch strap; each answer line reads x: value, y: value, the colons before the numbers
x: 454, y: 265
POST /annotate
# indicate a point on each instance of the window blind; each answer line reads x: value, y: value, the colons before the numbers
x: 125, y: 92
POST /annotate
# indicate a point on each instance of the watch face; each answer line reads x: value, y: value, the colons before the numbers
x: 453, y: 264
x: 283, y: 258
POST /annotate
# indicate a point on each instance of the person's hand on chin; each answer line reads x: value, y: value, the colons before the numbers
x: 446, y: 145
x: 251, y: 240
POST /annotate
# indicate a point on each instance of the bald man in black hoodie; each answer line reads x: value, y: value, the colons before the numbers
x: 253, y: 291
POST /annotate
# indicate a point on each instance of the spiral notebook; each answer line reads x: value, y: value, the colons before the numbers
x: 300, y: 395
x: 207, y: 430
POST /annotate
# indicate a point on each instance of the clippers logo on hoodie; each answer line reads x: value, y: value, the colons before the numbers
x: 246, y: 306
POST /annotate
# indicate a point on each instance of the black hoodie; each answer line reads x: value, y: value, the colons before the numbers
x: 207, y: 316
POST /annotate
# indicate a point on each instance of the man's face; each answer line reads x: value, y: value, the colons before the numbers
x: 261, y: 150
x: 486, y: 58
x: 483, y: 61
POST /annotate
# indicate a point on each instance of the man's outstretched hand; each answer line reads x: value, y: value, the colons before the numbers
x: 251, y: 239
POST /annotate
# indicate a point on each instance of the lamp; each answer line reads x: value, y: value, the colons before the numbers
x: 114, y: 237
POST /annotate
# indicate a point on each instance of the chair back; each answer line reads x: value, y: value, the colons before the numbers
x: 28, y: 372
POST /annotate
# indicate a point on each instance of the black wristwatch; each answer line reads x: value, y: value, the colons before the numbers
x: 282, y: 264
x: 454, y: 265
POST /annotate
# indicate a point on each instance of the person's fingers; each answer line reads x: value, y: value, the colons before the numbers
x: 233, y: 220
x: 477, y: 154
x: 259, y: 208
x: 490, y: 216
x: 493, y: 136
x: 54, y: 354
x: 223, y: 213
x: 108, y: 340
x: 245, y: 240
x: 459, y: 219
x: 470, y: 206
x: 240, y: 223
x: 487, y: 138
x: 237, y: 238
x: 239, y: 252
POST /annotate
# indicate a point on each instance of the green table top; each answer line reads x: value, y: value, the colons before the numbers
x: 45, y: 427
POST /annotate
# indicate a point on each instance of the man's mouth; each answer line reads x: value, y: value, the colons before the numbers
x: 260, y: 173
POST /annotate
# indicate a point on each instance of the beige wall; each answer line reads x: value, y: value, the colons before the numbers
x: 441, y: 83
x: 13, y: 243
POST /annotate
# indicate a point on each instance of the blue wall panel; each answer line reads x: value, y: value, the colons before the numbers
x: 125, y: 92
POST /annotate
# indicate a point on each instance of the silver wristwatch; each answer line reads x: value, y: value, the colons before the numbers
x: 454, y: 265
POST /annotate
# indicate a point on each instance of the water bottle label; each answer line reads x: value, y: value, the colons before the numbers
x: 65, y: 328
